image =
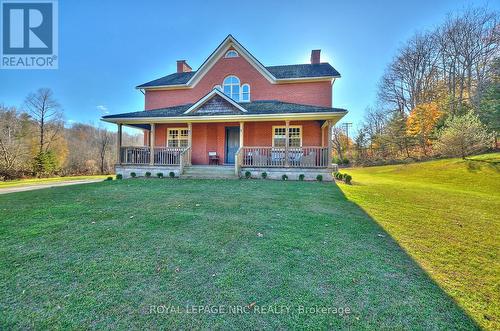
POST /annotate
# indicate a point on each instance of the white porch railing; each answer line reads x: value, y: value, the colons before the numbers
x: 294, y: 157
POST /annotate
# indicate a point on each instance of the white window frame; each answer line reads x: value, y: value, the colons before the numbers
x: 241, y: 91
x: 231, y: 54
x: 231, y: 87
x: 178, y: 137
x: 289, y: 127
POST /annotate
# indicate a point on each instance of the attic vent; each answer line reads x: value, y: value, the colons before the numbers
x: 231, y: 53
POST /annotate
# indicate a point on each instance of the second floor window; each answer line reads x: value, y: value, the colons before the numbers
x: 245, y: 93
x: 231, y: 87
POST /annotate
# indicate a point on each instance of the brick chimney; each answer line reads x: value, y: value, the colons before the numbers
x: 316, y: 56
x: 182, y: 66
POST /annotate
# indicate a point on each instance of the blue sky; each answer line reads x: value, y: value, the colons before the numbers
x: 106, y: 48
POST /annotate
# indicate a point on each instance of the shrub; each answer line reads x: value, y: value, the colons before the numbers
x: 148, y: 174
x: 336, y: 160
x: 337, y: 175
x: 284, y: 177
x: 133, y: 174
x: 319, y: 178
x: 119, y: 176
x: 109, y: 178
x: 344, y: 176
x: 159, y: 175
x: 301, y: 177
x: 345, y: 161
x: 348, y: 179
x: 248, y: 174
x: 264, y: 175
x: 171, y: 174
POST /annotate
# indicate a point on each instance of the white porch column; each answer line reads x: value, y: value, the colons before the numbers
x: 190, y: 134
x: 190, y: 141
x: 152, y: 145
x: 119, y: 144
x: 287, y: 142
x: 242, y: 133
x: 329, y: 128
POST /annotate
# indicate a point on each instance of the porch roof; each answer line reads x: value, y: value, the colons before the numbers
x: 260, y: 107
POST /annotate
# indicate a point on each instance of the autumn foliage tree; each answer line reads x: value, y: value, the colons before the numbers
x: 422, y: 122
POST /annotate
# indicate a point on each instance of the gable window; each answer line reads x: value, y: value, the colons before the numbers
x: 245, y: 93
x: 231, y: 87
x: 294, y: 136
x: 231, y: 53
x: 177, y: 138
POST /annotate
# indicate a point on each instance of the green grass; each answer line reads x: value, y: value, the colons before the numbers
x: 445, y: 214
x: 100, y: 255
x: 35, y: 181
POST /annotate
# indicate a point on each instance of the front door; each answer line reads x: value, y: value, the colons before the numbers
x: 232, y: 143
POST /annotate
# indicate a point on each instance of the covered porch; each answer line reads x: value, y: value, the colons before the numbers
x: 255, y: 146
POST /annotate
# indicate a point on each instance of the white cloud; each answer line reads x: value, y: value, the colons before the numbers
x: 103, y: 109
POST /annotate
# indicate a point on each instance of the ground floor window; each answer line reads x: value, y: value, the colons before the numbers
x: 294, y: 136
x: 177, y: 138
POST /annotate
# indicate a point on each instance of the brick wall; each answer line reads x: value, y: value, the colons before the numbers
x: 209, y: 137
x: 314, y: 93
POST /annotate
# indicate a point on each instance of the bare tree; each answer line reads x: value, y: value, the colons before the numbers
x: 46, y: 112
x: 338, y: 140
x: 411, y: 77
x: 104, y: 141
x: 14, y: 133
x: 468, y: 43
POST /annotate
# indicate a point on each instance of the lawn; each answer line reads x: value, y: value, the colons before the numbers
x: 445, y: 215
x: 271, y: 254
x: 36, y: 181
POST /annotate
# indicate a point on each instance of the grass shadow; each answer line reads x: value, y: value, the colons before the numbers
x: 465, y: 321
x: 475, y: 165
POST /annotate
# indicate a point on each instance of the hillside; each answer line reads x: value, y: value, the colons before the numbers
x: 445, y: 215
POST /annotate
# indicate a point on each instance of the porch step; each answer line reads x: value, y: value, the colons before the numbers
x: 206, y: 172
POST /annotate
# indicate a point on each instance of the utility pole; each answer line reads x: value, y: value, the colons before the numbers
x: 346, y: 127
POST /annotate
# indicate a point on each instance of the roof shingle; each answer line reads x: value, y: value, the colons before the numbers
x: 253, y: 108
x: 280, y: 72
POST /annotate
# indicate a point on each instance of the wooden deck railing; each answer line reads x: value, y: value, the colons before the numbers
x: 185, y: 159
x: 141, y: 155
x: 134, y: 155
x: 167, y: 155
x: 293, y: 157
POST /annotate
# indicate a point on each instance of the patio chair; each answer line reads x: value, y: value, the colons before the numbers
x: 308, y: 160
x: 213, y: 158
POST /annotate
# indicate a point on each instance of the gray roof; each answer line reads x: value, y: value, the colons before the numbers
x: 253, y: 108
x: 280, y: 72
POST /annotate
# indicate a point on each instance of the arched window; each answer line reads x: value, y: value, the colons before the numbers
x: 231, y: 53
x: 231, y: 87
x: 245, y: 93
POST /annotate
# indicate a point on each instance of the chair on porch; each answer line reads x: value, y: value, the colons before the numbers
x: 308, y: 160
x: 213, y: 158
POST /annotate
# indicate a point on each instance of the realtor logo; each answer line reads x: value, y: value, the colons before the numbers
x: 29, y: 34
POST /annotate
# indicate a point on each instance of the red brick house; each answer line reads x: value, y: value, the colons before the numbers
x: 235, y: 115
